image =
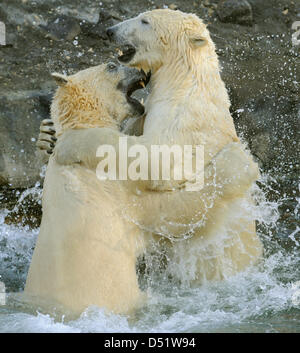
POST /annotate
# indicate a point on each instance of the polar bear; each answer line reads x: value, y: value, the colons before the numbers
x: 188, y: 105
x: 85, y: 252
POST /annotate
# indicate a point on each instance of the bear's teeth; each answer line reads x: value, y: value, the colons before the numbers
x: 119, y: 52
x: 142, y: 84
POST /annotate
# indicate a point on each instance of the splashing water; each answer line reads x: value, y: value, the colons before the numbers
x: 264, y: 298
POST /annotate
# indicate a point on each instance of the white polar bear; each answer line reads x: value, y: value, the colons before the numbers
x: 188, y: 105
x: 86, y: 252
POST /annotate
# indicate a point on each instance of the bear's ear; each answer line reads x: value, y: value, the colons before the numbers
x: 197, y: 41
x: 60, y: 79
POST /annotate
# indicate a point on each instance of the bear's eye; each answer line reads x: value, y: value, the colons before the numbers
x: 111, y: 66
x: 145, y: 22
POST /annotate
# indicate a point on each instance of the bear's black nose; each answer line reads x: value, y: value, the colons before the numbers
x: 110, y: 33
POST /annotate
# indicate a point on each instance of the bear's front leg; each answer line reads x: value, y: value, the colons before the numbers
x: 80, y: 146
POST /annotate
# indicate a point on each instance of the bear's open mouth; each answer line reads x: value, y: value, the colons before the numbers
x: 126, y: 53
x: 137, y: 83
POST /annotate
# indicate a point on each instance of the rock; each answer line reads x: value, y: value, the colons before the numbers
x: 20, y: 118
x: 260, y: 146
x: 104, y: 16
x: 63, y: 28
x: 98, y: 30
x: 235, y: 11
x: 82, y: 13
x: 45, y: 101
x: 18, y: 15
x: 95, y: 31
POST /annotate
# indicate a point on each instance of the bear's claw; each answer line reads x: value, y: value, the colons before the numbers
x: 46, y: 140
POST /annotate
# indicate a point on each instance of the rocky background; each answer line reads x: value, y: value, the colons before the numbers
x: 260, y: 66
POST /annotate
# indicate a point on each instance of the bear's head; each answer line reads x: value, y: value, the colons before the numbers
x: 99, y: 96
x: 159, y: 37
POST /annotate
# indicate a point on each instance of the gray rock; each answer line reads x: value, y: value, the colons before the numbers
x: 20, y: 118
x: 98, y: 30
x: 62, y: 28
x: 108, y: 15
x: 235, y: 11
x: 82, y: 13
x: 16, y: 14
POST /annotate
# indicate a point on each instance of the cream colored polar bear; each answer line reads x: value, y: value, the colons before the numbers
x: 188, y: 105
x: 86, y: 252
x: 87, y: 249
